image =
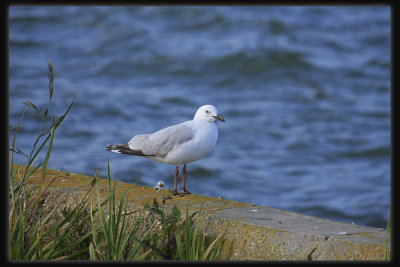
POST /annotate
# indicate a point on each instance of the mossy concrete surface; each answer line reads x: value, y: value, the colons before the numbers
x: 252, y: 232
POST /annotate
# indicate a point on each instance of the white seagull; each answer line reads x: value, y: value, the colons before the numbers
x: 178, y: 144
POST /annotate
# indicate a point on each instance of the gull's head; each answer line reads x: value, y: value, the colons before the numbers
x: 208, y: 113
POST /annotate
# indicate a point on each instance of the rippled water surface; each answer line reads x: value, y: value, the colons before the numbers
x: 305, y: 92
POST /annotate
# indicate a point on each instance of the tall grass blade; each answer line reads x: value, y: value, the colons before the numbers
x: 211, y: 247
x: 104, y: 223
x: 46, y: 159
x: 179, y: 248
x: 92, y: 254
x: 13, y: 140
x: 11, y: 172
x: 187, y: 235
x: 386, y: 253
x: 195, y: 251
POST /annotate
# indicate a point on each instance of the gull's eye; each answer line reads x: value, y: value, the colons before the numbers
x: 208, y: 112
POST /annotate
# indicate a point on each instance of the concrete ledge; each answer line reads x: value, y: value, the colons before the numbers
x: 252, y: 232
x: 264, y: 233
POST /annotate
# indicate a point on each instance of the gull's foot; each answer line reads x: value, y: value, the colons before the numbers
x: 180, y: 193
x: 184, y: 192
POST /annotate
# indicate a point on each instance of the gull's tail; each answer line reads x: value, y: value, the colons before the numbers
x: 124, y: 149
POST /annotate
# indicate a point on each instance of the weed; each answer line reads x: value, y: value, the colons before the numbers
x: 177, y: 240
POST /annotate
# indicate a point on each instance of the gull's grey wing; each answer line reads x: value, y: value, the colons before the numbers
x: 162, y: 141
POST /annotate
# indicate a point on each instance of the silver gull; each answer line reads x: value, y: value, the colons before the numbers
x: 178, y: 144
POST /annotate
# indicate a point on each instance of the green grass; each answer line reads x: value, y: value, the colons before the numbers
x: 30, y: 237
x: 195, y: 246
x: 386, y: 254
x: 115, y: 229
x: 77, y: 229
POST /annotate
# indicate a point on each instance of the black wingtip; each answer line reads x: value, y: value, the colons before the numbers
x: 124, y: 149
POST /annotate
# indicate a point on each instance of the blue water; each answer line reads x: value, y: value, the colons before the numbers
x: 305, y: 92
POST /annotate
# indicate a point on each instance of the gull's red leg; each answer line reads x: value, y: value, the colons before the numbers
x: 176, y: 178
x: 184, y: 180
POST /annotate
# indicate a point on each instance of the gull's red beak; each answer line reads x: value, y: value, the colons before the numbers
x: 219, y: 117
